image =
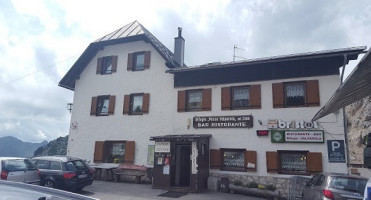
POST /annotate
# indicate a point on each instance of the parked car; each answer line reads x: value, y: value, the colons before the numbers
x: 64, y: 172
x: 21, y: 191
x: 19, y: 170
x: 335, y: 186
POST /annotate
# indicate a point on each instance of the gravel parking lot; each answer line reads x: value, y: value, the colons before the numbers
x: 111, y: 190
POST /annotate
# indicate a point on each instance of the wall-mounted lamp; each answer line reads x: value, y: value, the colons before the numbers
x: 69, y: 107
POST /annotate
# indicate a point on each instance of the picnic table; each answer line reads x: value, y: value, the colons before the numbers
x: 136, y: 171
x: 103, y: 169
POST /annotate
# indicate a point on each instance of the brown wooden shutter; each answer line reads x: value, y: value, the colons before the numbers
x: 126, y: 104
x: 271, y: 157
x: 226, y: 98
x: 313, y: 93
x: 130, y: 61
x: 129, y: 152
x: 145, y: 106
x: 255, y: 96
x: 99, y: 151
x: 111, y: 106
x: 215, y: 158
x: 181, y: 100
x: 93, y: 108
x: 278, y: 99
x: 147, y: 59
x: 250, y: 157
x: 206, y: 99
x: 99, y: 65
x: 314, y: 162
x: 114, y: 64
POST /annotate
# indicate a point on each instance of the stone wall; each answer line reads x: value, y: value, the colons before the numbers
x: 359, y: 125
x: 282, y: 184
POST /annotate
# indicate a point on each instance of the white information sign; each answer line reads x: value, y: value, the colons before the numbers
x: 162, y: 147
x: 194, y: 158
x: 304, y: 136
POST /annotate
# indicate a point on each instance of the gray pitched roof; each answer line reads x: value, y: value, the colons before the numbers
x: 351, y: 52
x: 133, y: 31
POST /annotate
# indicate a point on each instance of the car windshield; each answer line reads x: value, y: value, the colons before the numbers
x: 348, y: 183
x: 18, y: 165
x: 75, y: 165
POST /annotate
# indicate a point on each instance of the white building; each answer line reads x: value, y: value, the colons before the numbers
x: 253, y: 115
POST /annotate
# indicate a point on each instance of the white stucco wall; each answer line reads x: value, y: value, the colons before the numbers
x: 163, y: 117
x: 136, y: 128
x: 247, y: 139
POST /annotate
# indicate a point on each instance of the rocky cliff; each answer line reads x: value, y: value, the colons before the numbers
x: 359, y: 125
x: 54, y: 147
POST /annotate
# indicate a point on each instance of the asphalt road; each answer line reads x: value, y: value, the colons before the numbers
x: 110, y: 190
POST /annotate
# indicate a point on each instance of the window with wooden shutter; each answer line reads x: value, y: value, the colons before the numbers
x: 278, y: 99
x: 215, y: 159
x: 114, y: 63
x: 147, y: 59
x: 271, y: 158
x: 255, y: 96
x: 129, y: 152
x: 111, y: 107
x: 99, y: 65
x: 99, y: 151
x: 93, y: 108
x: 250, y: 160
x: 226, y: 98
x: 206, y: 99
x: 314, y: 162
x: 181, y: 101
x: 313, y: 93
x: 126, y: 104
x: 130, y: 61
x: 145, y: 107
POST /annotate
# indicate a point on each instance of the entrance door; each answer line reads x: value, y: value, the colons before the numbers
x: 181, y: 175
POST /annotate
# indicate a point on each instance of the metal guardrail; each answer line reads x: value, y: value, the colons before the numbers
x: 296, y: 187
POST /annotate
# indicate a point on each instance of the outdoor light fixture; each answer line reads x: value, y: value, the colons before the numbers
x: 69, y: 107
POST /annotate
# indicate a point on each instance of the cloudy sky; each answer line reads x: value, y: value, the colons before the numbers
x: 40, y: 40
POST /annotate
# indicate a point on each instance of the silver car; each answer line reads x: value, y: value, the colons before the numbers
x: 19, y: 170
x: 335, y: 186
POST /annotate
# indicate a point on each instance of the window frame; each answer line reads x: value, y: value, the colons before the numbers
x: 187, y: 100
x: 99, y: 99
x: 135, y: 59
x: 235, y: 169
x: 233, y: 107
x: 279, y: 162
x: 102, y: 67
x: 131, y: 112
x: 285, y: 84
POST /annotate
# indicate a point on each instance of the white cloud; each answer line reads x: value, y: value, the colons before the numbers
x: 47, y: 37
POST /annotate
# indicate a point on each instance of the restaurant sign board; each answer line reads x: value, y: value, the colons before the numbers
x: 162, y: 147
x: 305, y: 136
x: 241, y: 121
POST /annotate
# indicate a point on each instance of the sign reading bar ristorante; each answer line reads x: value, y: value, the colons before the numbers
x: 244, y: 121
x: 310, y: 136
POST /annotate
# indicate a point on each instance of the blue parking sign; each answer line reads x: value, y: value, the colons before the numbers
x: 336, y: 153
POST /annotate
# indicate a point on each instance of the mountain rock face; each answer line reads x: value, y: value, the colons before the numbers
x: 54, y: 147
x: 13, y: 147
x: 359, y: 125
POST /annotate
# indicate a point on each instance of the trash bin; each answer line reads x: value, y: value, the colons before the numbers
x: 224, y: 185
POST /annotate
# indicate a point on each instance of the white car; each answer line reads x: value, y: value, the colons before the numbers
x: 19, y: 170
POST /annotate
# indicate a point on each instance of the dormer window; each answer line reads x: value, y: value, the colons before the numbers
x: 107, y: 65
x: 139, y: 61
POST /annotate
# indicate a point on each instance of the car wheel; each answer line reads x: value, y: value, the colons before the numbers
x: 49, y: 184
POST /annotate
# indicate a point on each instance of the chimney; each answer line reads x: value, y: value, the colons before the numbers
x: 179, y: 48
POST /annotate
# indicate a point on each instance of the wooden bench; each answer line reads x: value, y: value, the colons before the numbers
x: 136, y: 171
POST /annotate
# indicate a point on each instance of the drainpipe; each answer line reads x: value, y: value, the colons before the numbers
x: 345, y: 117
